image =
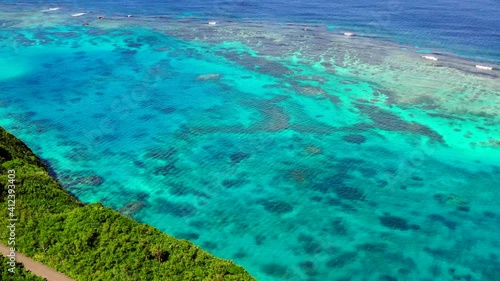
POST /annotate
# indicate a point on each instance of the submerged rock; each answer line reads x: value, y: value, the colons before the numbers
x: 448, y: 223
x: 90, y: 180
x: 388, y: 121
x: 452, y: 200
x: 309, y: 244
x: 168, y: 110
x: 175, y: 209
x: 310, y: 91
x: 394, y: 222
x: 347, y: 192
x: 229, y: 183
x: 259, y: 239
x: 274, y: 269
x: 239, y: 255
x: 209, y: 245
x: 372, y: 247
x: 166, y: 170
x: 162, y: 154
x: 238, y: 157
x: 357, y: 139
x: 313, y: 150
x: 209, y: 76
x: 66, y: 34
x: 338, y: 227
x: 308, y: 267
x: 298, y: 176
x: 336, y: 184
x: 131, y: 208
x: 277, y: 207
x: 188, y: 235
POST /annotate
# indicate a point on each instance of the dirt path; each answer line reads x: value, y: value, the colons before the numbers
x: 36, y: 267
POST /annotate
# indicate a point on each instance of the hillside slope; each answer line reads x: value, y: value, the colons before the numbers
x: 92, y: 242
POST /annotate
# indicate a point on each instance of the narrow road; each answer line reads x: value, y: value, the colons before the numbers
x: 36, y: 267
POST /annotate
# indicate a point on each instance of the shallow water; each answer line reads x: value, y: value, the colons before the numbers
x: 297, y: 152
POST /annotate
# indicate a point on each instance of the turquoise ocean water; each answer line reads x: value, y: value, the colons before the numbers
x: 296, y: 151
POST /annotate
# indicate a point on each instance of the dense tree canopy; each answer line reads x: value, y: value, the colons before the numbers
x: 92, y: 242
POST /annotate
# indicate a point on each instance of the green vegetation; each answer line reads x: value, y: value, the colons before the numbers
x: 92, y: 242
x: 21, y: 274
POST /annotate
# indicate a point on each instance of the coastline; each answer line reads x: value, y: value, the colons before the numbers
x: 43, y: 205
x: 410, y: 121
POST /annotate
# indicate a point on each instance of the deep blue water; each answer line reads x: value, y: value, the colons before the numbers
x: 467, y: 28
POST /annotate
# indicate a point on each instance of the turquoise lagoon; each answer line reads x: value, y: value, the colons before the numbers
x: 297, y: 152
